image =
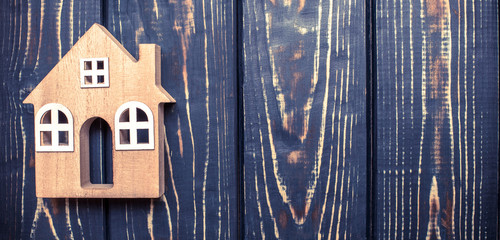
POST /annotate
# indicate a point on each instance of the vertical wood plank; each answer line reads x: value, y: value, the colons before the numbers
x: 304, y: 119
x: 437, y: 114
x: 34, y: 36
x: 198, y: 45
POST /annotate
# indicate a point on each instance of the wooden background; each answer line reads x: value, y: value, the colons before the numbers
x: 437, y: 120
x: 304, y: 119
x: 294, y: 119
x: 199, y: 70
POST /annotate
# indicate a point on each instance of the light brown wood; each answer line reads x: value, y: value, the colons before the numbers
x: 136, y: 173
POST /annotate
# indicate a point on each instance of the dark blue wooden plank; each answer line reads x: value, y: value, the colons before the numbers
x: 437, y: 119
x: 304, y: 119
x: 198, y: 45
x: 34, y: 35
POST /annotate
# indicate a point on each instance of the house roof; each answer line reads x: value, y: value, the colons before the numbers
x: 99, y: 41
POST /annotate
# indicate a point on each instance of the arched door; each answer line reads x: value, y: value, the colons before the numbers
x: 100, y: 152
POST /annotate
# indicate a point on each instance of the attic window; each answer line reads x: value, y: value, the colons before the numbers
x: 134, y: 125
x: 54, y: 129
x: 94, y: 72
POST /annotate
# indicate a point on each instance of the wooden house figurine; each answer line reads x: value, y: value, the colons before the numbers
x: 99, y: 78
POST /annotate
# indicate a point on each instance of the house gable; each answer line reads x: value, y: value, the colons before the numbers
x: 62, y: 84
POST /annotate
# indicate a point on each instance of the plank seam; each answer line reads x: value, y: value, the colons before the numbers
x: 370, y: 117
x: 238, y: 15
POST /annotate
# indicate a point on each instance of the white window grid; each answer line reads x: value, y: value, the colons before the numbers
x: 133, y: 125
x: 54, y: 127
x: 94, y: 73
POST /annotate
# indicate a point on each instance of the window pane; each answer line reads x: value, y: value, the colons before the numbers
x: 124, y: 136
x: 88, y: 65
x: 125, y: 117
x: 47, y: 117
x: 62, y: 117
x: 142, y: 136
x: 63, y: 138
x: 141, y: 116
x: 100, y: 65
x: 100, y: 79
x: 88, y: 79
x: 46, y: 138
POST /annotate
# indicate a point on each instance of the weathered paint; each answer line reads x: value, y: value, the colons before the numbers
x: 304, y: 125
x: 431, y: 163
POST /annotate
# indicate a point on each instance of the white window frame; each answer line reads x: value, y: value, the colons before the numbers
x: 133, y: 126
x: 94, y: 73
x: 54, y: 127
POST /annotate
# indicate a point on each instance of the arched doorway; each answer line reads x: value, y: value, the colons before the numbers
x: 96, y: 152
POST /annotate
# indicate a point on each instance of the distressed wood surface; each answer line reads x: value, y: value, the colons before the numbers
x: 304, y: 119
x: 198, y: 59
x: 34, y: 36
x: 437, y: 119
x: 198, y: 45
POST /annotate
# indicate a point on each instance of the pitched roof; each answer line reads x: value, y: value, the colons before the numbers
x: 97, y: 40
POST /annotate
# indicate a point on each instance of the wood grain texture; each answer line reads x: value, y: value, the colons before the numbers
x: 437, y: 119
x: 304, y: 135
x: 198, y: 45
x: 304, y: 119
x: 133, y: 84
x: 34, y: 36
x: 198, y: 60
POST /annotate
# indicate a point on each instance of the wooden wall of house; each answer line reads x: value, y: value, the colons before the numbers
x: 294, y: 119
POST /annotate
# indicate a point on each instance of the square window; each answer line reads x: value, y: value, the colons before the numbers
x: 63, y: 138
x: 88, y: 79
x: 100, y: 65
x: 142, y: 136
x: 46, y: 138
x: 124, y: 136
x: 88, y: 65
x: 94, y: 72
x: 100, y: 79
